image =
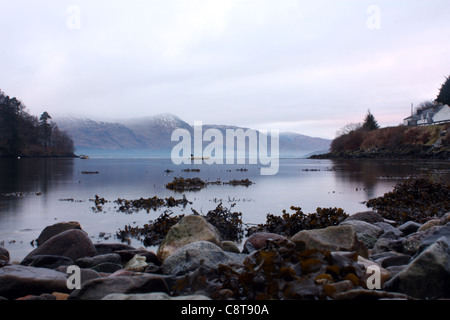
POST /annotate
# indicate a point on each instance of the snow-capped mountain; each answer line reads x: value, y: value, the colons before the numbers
x: 151, y: 136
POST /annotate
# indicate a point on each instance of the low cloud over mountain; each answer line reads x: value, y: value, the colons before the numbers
x: 151, y: 136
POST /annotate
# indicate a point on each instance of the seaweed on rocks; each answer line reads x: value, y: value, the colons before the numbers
x: 278, y: 272
x: 99, y: 203
x: 90, y: 172
x: 20, y: 194
x: 191, y: 170
x: 228, y: 223
x: 150, y: 234
x: 289, y: 224
x: 134, y: 205
x: 147, y: 204
x: 181, y: 184
x: 416, y: 200
x: 195, y: 184
x: 242, y: 182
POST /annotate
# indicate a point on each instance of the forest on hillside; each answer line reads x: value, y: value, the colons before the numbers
x: 25, y: 135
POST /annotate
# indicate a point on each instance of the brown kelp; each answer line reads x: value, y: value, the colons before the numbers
x: 150, y: 234
x: 241, y: 182
x: 289, y: 224
x: 413, y: 200
x: 277, y: 272
x: 181, y: 184
x: 147, y: 204
x: 228, y: 223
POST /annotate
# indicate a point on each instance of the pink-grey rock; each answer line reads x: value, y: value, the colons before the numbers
x: 104, y: 248
x: 339, y: 238
x: 445, y: 218
x: 152, y: 296
x: 17, y: 281
x: 367, y: 216
x: 98, y: 288
x: 5, y: 254
x: 427, y: 276
x: 55, y: 229
x: 259, y: 240
x: 190, y: 229
x: 73, y: 244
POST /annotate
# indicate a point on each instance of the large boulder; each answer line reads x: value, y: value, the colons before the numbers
x: 338, y: 238
x: 412, y: 242
x: 4, y: 255
x: 388, y: 229
x: 152, y: 296
x: 366, y: 232
x: 367, y: 216
x: 387, y: 245
x: 85, y: 274
x: 445, y: 218
x: 17, y: 281
x: 409, y: 227
x: 55, y: 229
x: 96, y: 289
x: 104, y: 248
x: 427, y: 276
x: 196, y: 254
x: 73, y: 244
x: 429, y: 224
x: 440, y: 233
x: 189, y: 229
x: 47, y: 261
x: 89, y: 262
x: 259, y: 241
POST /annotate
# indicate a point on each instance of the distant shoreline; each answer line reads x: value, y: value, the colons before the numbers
x: 71, y: 156
x: 407, y: 153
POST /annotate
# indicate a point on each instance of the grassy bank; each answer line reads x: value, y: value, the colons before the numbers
x: 427, y: 142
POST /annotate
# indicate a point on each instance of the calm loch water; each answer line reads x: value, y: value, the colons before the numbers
x: 35, y: 193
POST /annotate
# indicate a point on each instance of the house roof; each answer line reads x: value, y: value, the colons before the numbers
x: 434, y: 109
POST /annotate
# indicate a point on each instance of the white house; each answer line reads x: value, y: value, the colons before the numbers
x: 433, y: 115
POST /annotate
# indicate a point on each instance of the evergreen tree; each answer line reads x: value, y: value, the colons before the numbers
x: 22, y: 134
x: 444, y: 93
x: 370, y: 123
x: 46, y: 129
x: 9, y: 125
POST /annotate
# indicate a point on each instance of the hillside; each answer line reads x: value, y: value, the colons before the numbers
x: 26, y: 135
x: 88, y: 133
x: 425, y: 142
x: 151, y: 136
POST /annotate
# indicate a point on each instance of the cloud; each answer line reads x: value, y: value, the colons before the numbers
x: 309, y: 67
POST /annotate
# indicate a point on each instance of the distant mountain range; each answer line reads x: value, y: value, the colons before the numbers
x: 151, y: 136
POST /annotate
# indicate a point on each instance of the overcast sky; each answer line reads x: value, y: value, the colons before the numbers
x: 304, y: 66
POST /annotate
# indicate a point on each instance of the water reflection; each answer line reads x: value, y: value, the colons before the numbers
x: 373, y: 173
x: 20, y: 178
x: 300, y: 182
x: 28, y: 175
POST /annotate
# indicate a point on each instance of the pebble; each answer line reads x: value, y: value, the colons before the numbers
x: 259, y: 241
x: 409, y: 227
x: 4, y: 254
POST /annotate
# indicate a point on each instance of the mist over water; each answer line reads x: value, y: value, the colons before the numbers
x: 35, y: 193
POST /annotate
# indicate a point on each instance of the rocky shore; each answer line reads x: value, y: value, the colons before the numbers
x: 403, y: 152
x: 364, y: 257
